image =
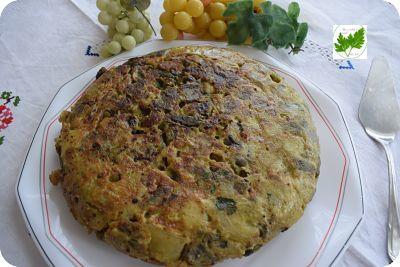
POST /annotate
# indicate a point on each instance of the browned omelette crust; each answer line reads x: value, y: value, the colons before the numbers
x: 188, y: 156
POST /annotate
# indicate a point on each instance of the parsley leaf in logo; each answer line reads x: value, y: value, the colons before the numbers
x: 346, y: 44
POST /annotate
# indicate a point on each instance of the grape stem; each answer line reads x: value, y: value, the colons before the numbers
x: 148, y: 21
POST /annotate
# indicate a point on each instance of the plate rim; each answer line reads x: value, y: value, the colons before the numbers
x: 296, y: 73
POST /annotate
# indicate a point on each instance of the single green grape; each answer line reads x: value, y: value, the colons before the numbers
x: 132, y: 26
x: 114, y: 47
x: 148, y: 32
x: 118, y: 37
x: 104, y: 18
x: 104, y: 53
x: 112, y: 23
x: 142, y: 24
x: 111, y: 32
x: 138, y: 35
x: 122, y: 26
x: 114, y: 8
x: 128, y: 42
x: 134, y: 15
x: 142, y: 4
x: 133, y: 4
x: 102, y: 4
x: 127, y: 4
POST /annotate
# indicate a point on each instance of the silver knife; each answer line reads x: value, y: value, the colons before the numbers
x: 379, y: 113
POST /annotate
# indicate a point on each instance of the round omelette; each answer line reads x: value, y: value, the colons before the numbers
x: 188, y: 156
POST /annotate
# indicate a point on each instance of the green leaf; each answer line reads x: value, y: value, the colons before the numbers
x: 240, y: 9
x: 301, y: 34
x: 1, y: 140
x: 281, y: 34
x: 266, y: 7
x: 358, y: 38
x: 237, y: 34
x: 259, y: 26
x: 293, y: 11
x: 273, y: 26
x: 342, y: 44
x: 238, y: 30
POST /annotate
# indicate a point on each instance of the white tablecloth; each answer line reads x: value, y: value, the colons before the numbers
x: 43, y: 44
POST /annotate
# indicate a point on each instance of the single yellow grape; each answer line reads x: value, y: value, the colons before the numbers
x: 167, y: 6
x: 216, y: 10
x: 195, y: 8
x: 193, y: 29
x: 169, y: 32
x: 166, y: 17
x: 177, y: 5
x: 203, y: 21
x: 182, y: 20
x: 217, y: 28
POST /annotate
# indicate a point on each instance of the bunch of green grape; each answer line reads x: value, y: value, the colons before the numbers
x: 127, y: 22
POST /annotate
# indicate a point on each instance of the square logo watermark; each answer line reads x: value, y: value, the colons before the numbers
x: 349, y: 41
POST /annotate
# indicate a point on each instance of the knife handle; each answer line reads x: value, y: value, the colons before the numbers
x: 394, y: 222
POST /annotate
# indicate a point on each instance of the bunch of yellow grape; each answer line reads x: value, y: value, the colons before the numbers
x: 201, y: 18
x: 126, y: 25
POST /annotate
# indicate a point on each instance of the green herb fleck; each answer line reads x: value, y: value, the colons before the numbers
x: 227, y: 204
x: 213, y: 189
x: 1, y: 140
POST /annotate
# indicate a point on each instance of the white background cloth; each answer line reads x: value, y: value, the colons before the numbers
x: 43, y: 45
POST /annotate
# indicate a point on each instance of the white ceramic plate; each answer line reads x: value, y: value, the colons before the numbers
x: 318, y: 238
